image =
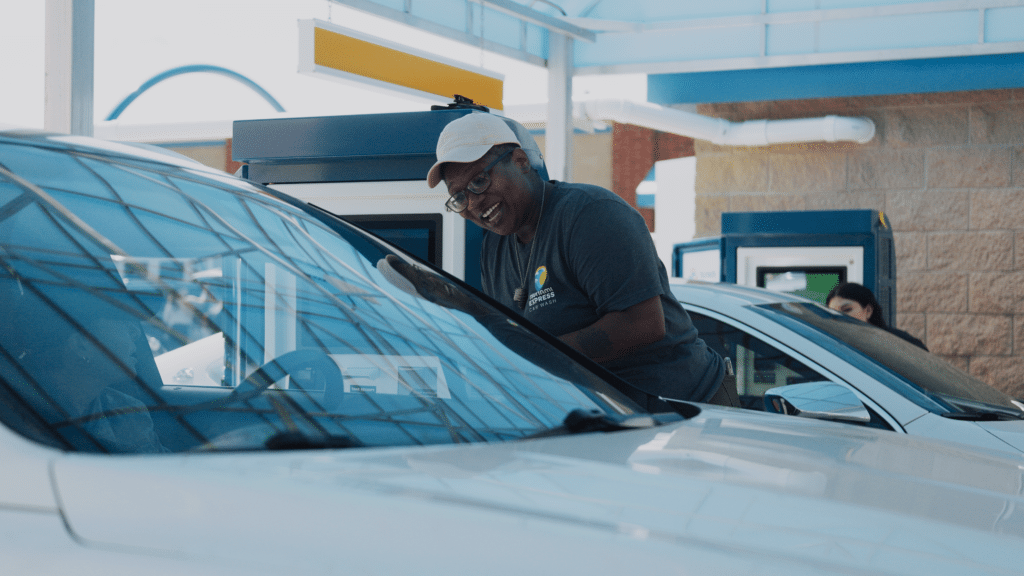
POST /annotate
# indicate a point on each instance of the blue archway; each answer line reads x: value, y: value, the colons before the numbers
x: 189, y: 70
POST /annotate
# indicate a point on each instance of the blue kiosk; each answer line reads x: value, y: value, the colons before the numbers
x: 804, y: 252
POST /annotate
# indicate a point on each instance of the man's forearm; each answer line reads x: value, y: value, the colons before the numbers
x: 617, y: 334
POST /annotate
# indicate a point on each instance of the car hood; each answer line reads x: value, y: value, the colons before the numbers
x: 1009, y: 431
x: 725, y: 492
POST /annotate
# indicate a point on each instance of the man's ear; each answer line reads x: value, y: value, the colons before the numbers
x: 521, y: 160
x: 869, y: 309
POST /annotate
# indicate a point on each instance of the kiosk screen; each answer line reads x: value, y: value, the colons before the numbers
x: 418, y: 234
x: 812, y: 282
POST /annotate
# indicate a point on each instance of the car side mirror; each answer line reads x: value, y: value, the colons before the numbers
x: 818, y: 400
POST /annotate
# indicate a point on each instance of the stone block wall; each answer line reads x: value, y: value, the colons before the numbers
x: 947, y: 169
x: 590, y: 154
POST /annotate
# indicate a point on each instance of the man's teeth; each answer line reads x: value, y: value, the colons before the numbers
x: 487, y: 214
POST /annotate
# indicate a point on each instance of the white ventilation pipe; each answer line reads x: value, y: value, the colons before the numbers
x: 725, y: 133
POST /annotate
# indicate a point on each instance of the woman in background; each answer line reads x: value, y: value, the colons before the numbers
x: 859, y: 302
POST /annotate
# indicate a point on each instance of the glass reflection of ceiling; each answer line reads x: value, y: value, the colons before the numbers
x: 157, y: 231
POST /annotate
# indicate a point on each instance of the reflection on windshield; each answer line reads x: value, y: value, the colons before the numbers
x: 239, y: 318
x: 945, y: 385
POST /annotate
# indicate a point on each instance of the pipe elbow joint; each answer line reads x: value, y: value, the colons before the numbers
x: 862, y: 129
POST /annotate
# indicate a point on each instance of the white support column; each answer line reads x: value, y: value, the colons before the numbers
x: 70, y: 33
x: 558, y: 132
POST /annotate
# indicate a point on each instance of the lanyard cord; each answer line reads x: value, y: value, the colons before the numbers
x: 519, y: 296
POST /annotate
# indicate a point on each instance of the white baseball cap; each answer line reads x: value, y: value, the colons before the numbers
x: 467, y: 139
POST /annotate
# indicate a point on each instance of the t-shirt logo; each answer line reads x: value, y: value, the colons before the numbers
x: 540, y: 278
x: 541, y: 296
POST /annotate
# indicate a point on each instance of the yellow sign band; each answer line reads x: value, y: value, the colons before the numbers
x: 362, y: 58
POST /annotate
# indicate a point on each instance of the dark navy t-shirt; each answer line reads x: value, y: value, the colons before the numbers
x: 592, y: 254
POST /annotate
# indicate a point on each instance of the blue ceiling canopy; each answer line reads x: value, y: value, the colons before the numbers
x: 695, y: 51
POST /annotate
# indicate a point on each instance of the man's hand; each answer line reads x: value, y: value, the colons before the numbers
x: 427, y: 285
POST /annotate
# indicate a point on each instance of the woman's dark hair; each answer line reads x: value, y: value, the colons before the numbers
x: 860, y: 295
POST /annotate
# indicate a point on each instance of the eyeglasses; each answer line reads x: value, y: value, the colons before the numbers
x: 478, y: 185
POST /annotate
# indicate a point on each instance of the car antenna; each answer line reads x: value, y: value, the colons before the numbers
x: 461, y: 102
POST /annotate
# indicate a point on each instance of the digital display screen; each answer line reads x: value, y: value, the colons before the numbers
x: 811, y: 282
x: 417, y: 234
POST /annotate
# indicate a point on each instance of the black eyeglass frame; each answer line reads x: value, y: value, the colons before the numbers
x: 460, y: 198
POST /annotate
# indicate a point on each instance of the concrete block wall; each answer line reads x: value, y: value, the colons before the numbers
x: 590, y: 154
x: 947, y: 169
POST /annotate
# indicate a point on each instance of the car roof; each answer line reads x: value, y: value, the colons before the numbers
x: 109, y: 148
x: 710, y: 294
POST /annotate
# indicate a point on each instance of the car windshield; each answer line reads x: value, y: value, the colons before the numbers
x: 945, y: 387
x: 153, y: 308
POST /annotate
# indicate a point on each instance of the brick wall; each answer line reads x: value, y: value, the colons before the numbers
x: 948, y: 171
x: 230, y: 166
x: 634, y: 152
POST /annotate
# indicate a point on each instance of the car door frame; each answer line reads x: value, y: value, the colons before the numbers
x: 822, y: 368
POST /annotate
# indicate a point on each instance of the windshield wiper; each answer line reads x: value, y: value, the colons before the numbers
x: 581, y: 421
x: 298, y: 441
x: 983, y: 415
x: 975, y: 411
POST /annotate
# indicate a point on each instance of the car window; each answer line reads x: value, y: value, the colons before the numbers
x: 758, y: 365
x: 920, y: 376
x: 149, y: 309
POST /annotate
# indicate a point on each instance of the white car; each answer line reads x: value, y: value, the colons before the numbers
x: 794, y: 356
x: 201, y: 376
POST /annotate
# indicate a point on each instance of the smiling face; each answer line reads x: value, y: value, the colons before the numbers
x: 509, y: 204
x: 851, y: 308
